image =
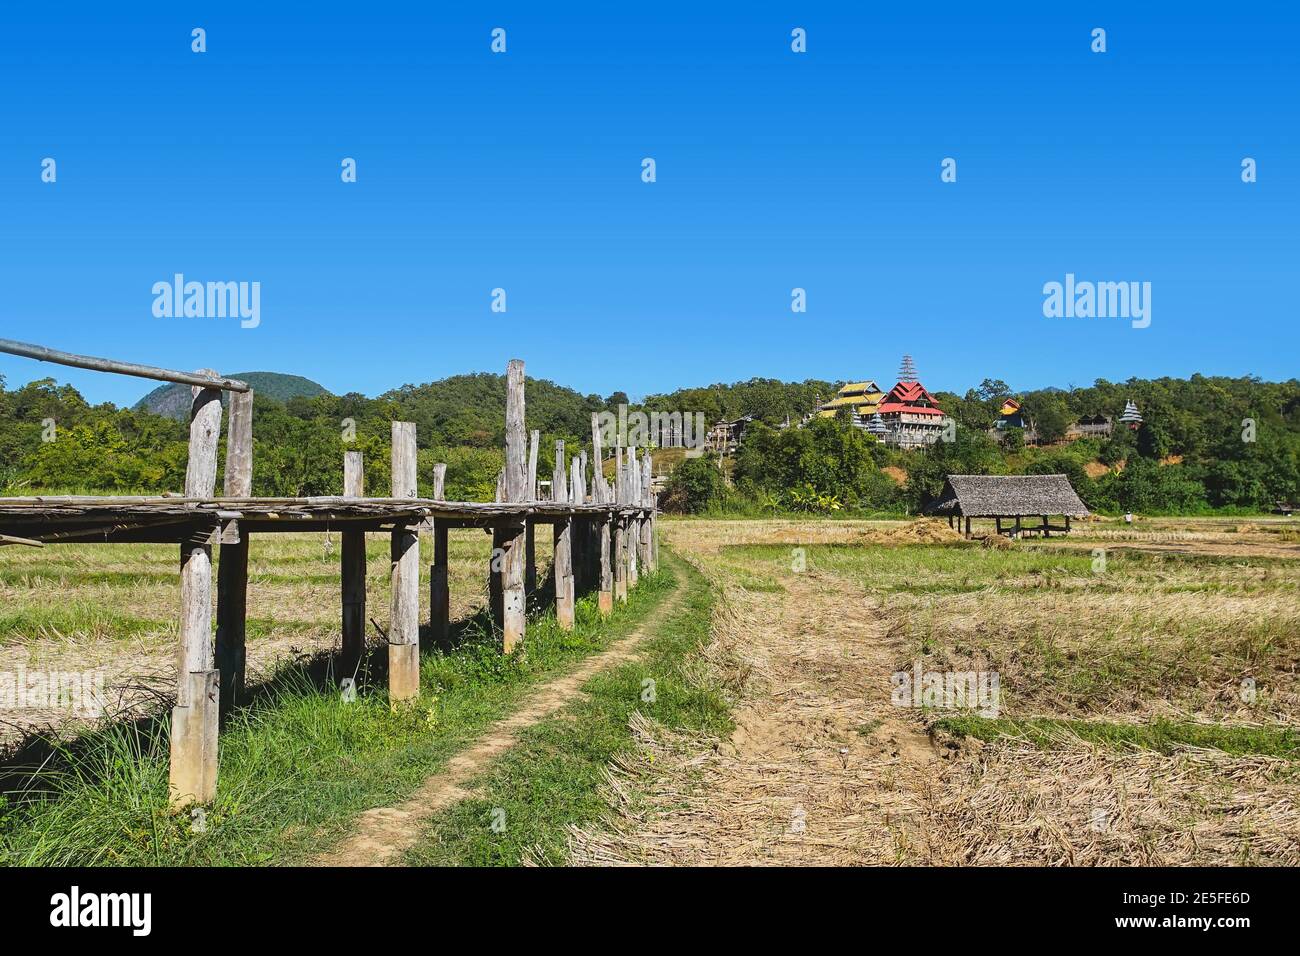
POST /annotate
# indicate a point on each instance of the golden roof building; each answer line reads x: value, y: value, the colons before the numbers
x: 860, y: 398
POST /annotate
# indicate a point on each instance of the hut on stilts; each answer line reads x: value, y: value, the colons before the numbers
x: 1009, y: 498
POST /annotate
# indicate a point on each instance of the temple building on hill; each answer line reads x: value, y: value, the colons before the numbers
x: 1131, y: 417
x: 1009, y: 416
x: 860, y: 398
x: 1090, y: 426
x: 911, y: 417
x: 726, y: 434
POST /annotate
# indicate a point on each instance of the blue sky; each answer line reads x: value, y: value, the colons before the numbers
x: 775, y: 170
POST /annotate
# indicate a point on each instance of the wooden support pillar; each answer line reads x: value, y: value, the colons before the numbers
x: 196, y: 716
x: 530, y: 545
x: 574, y: 488
x: 530, y: 557
x: 232, y: 573
x: 1067, y: 523
x: 194, y: 745
x: 599, y: 487
x: 439, y: 582
x: 404, y: 615
x: 968, y: 528
x: 620, y: 558
x: 352, y: 573
x: 604, y: 529
x: 1016, y: 533
x: 647, y: 520
x: 633, y: 535
x: 509, y: 540
x: 562, y: 572
x: 562, y: 567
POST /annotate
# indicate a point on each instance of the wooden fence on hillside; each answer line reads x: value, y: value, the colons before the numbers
x: 603, y: 534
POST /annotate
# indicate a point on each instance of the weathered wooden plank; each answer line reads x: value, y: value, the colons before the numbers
x: 404, y: 617
x: 28, y: 542
x: 204, y: 378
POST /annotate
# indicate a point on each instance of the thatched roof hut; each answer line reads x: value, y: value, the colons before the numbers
x: 1008, y: 497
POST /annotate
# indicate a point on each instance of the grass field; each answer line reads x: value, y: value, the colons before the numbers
x: 1148, y: 705
x: 1149, y: 694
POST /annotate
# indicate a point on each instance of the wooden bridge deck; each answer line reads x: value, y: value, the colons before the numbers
x: 89, y: 520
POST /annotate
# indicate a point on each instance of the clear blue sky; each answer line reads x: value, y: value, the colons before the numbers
x: 775, y: 170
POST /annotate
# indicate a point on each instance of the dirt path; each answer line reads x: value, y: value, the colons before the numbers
x: 382, y: 834
x: 821, y: 768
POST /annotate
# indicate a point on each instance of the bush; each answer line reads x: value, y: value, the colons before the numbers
x: 693, y: 487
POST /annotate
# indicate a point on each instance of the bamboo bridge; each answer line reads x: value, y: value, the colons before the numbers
x: 602, y: 532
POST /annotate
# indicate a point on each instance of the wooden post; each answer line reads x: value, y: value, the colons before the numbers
x: 439, y: 583
x: 530, y: 547
x: 580, y: 570
x: 620, y: 558
x: 599, y: 489
x: 647, y: 559
x: 194, y: 740
x: 562, y: 565
x: 509, y: 540
x: 968, y: 528
x: 196, y: 716
x: 633, y: 537
x: 232, y: 573
x: 620, y: 491
x: 404, y: 616
x: 654, y: 531
x: 604, y: 529
x: 352, y: 568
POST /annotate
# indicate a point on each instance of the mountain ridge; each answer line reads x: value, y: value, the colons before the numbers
x: 173, y: 401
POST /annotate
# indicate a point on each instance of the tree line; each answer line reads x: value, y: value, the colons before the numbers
x: 1207, y: 443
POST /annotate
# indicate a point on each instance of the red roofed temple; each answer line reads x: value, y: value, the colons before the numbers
x: 911, y: 416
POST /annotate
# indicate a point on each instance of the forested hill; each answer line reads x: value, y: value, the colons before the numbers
x: 767, y: 399
x: 1214, y: 442
x: 173, y: 401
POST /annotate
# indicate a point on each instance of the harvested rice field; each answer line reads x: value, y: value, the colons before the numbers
x: 1145, y: 704
x: 823, y: 692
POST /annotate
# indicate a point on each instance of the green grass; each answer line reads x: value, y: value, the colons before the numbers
x: 296, y: 766
x: 551, y: 779
x: 925, y: 567
x: 82, y: 619
x: 1160, y: 735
